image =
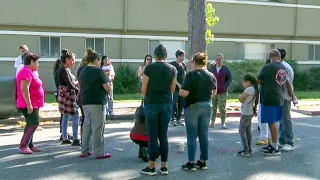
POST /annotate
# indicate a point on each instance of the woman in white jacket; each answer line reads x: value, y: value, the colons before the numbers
x: 108, y: 69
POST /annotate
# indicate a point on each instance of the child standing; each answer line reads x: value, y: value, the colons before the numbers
x: 249, y: 100
x: 109, y: 71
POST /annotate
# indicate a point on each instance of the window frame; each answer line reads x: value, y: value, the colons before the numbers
x: 94, y: 43
x: 49, y: 46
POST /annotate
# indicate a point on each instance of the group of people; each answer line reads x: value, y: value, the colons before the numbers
x: 202, y: 92
x: 91, y: 90
x: 166, y: 89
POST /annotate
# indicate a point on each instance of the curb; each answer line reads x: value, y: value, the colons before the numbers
x: 119, y: 117
x: 309, y: 113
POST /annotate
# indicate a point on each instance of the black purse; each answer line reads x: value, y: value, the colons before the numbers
x: 140, y: 116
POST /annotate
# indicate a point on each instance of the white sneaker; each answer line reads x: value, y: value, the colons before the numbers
x: 287, y: 148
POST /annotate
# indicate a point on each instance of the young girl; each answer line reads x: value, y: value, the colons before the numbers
x: 249, y: 100
x: 109, y: 71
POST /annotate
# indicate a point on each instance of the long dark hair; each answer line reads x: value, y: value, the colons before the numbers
x: 253, y: 81
x: 58, y: 63
x: 145, y: 59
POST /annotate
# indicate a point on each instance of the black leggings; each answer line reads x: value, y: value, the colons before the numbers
x: 32, y: 123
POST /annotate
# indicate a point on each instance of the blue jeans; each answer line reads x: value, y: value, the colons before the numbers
x: 158, y: 117
x: 75, y: 125
x: 285, y: 130
x: 177, y: 106
x: 110, y: 102
x: 197, y: 119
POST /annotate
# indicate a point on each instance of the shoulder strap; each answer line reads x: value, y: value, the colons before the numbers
x: 254, y: 96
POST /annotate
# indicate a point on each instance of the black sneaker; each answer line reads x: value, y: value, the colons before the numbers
x: 68, y: 141
x: 265, y: 149
x: 189, y: 166
x: 76, y: 143
x: 148, y: 171
x: 201, y: 165
x: 272, y: 152
x: 164, y: 171
x: 244, y: 153
x: 70, y: 137
x: 144, y: 154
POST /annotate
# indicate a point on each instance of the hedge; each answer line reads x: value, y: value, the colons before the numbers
x: 126, y: 81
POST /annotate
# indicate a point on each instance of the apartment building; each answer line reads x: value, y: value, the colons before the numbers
x: 127, y: 30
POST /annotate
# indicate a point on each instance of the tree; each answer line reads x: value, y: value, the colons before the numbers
x: 200, y: 16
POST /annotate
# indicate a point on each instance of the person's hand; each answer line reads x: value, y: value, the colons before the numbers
x: 30, y: 109
x: 294, y: 100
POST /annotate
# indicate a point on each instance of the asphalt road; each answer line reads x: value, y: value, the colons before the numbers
x: 62, y: 162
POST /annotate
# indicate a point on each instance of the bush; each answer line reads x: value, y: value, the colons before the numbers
x: 126, y: 80
x: 303, y: 80
x: 239, y: 69
x: 312, y: 76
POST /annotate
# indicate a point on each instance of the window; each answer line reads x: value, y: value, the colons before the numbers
x: 171, y: 46
x: 314, y: 52
x: 96, y: 44
x: 252, y: 51
x: 50, y: 47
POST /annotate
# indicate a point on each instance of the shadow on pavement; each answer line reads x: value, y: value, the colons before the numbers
x: 62, y: 162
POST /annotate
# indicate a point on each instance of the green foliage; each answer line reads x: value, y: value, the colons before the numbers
x: 306, y: 80
x: 126, y: 80
x: 312, y: 78
x: 239, y: 69
x: 211, y: 20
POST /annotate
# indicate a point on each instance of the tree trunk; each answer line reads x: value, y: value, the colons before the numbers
x: 197, y: 28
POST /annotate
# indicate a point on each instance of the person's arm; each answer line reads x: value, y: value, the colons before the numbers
x: 112, y: 73
x: 186, y: 86
x: 261, y: 76
x: 144, y: 85
x: 214, y: 87
x: 228, y: 77
x: 174, y: 81
x: 67, y: 80
x: 173, y: 84
x: 105, y: 81
x: 25, y: 85
x: 290, y: 89
x: 140, y: 71
x: 243, y: 96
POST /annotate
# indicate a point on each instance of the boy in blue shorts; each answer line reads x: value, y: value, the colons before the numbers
x: 273, y: 78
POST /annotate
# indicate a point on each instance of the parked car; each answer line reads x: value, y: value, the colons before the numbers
x: 8, y: 98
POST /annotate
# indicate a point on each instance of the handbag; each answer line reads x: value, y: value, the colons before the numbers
x: 140, y: 116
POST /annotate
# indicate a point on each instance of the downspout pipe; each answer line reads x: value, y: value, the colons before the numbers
x: 125, y: 20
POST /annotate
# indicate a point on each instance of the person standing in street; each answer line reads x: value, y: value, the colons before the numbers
x: 108, y: 69
x: 159, y: 83
x: 285, y: 129
x: 224, y: 79
x: 177, y: 99
x: 273, y: 78
x: 198, y: 88
x: 94, y: 86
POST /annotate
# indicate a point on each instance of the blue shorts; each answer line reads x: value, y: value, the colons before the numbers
x: 270, y: 114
